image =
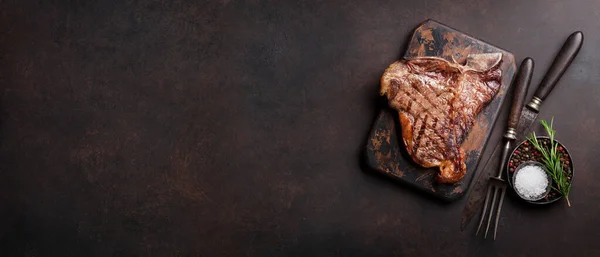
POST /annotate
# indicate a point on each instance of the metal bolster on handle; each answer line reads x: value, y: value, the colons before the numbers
x: 511, y: 133
x: 535, y: 103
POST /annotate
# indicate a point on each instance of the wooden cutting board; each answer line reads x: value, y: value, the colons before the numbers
x: 385, y: 151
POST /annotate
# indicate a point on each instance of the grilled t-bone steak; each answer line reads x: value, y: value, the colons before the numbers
x: 438, y: 102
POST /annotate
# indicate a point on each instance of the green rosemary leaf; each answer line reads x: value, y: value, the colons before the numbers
x: 551, y: 159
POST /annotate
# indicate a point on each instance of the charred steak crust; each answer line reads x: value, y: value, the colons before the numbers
x: 438, y: 102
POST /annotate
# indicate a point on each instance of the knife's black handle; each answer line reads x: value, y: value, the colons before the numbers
x: 561, y: 62
x: 521, y: 85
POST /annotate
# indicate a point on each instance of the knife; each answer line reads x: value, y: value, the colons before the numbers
x: 529, y: 113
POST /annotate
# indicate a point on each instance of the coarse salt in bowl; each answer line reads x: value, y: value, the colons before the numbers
x: 531, y: 182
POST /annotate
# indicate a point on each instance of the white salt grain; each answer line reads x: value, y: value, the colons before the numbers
x: 531, y: 182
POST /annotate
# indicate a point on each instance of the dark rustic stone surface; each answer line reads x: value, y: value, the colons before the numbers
x: 385, y: 151
x: 235, y: 128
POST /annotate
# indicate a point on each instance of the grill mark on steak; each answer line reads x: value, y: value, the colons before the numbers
x: 418, y: 124
x: 423, y: 99
x: 417, y: 142
x: 439, y: 101
x: 434, y: 123
x: 409, y: 106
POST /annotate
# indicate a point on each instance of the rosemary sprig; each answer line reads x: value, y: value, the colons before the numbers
x: 551, y: 159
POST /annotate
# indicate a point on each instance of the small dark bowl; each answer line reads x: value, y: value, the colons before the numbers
x: 532, y: 163
x: 553, y: 196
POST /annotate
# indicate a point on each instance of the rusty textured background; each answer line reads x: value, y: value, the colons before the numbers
x: 385, y: 152
x: 235, y: 128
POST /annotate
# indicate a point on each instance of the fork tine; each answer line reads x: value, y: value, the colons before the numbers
x: 485, y: 205
x: 492, y: 207
x: 502, y: 193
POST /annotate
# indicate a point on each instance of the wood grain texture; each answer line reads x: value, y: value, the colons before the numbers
x: 385, y: 151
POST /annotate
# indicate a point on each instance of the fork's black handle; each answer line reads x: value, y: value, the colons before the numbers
x: 521, y: 85
x: 561, y: 62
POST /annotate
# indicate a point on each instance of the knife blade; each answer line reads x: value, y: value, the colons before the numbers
x: 529, y: 113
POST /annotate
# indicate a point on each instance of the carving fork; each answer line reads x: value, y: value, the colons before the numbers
x: 497, y: 185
